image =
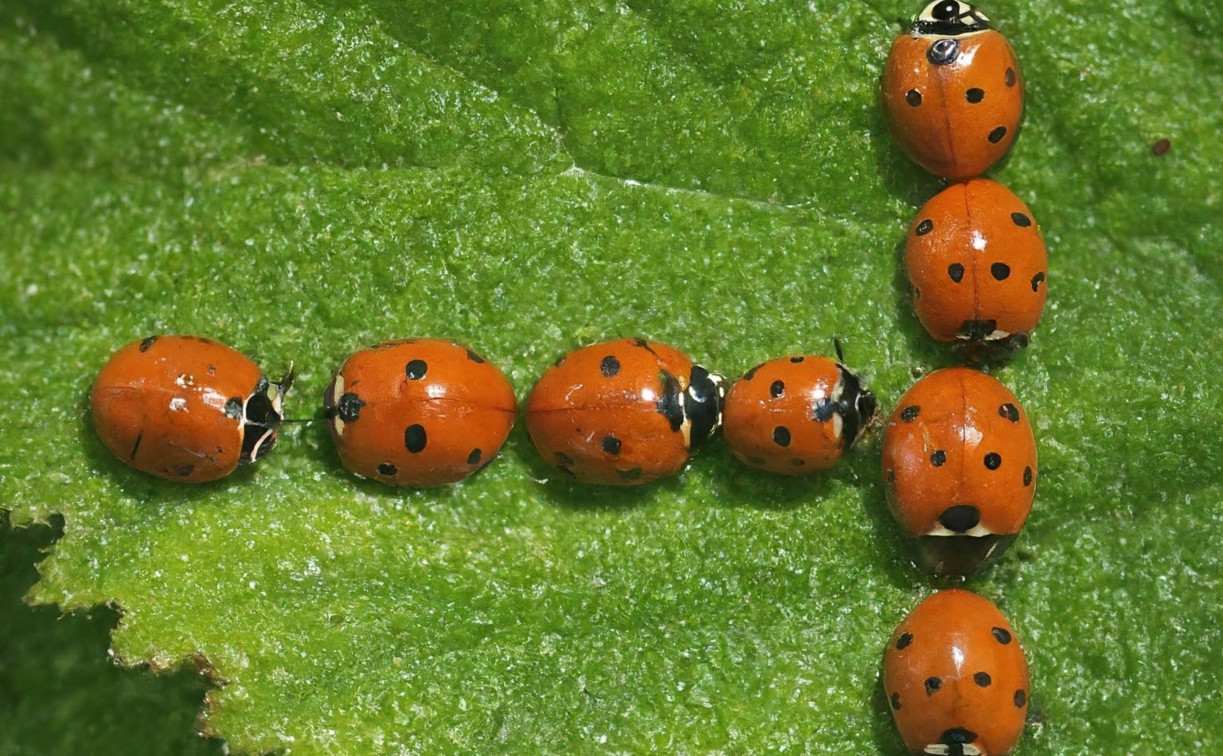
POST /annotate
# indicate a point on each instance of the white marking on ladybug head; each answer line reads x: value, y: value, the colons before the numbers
x: 333, y: 401
x: 976, y: 531
x: 953, y: 13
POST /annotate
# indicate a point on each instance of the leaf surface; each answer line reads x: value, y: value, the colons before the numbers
x: 309, y: 178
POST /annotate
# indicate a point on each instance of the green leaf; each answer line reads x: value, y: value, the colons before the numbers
x: 306, y: 178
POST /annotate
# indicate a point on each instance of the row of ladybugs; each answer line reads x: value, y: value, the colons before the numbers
x: 955, y: 676
x: 427, y: 412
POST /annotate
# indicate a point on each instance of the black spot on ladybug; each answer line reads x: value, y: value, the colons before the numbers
x: 136, y: 446
x: 415, y: 438
x: 925, y: 227
x: 825, y: 408
x: 910, y: 413
x: 957, y: 736
x: 956, y: 271
x: 1010, y: 412
x: 475, y: 357
x: 1001, y: 634
x: 611, y: 444
x: 993, y: 461
x: 1020, y: 698
x: 974, y: 95
x: 145, y: 344
x: 777, y: 388
x: 610, y: 366
x: 903, y: 641
x: 475, y: 457
x: 631, y: 474
x: 1037, y: 280
x: 416, y: 369
x: 1027, y: 476
x: 233, y: 408
x: 982, y: 679
x: 1021, y: 220
x: 913, y: 97
x: 1000, y: 271
x: 1011, y: 78
x: 943, y: 52
x: 933, y: 685
x: 387, y: 470
x: 670, y: 405
x: 752, y: 373
x: 349, y: 408
x: 960, y: 518
x: 563, y: 459
x: 797, y: 359
x: 183, y: 471
x: 896, y: 701
x: 938, y: 458
x: 996, y: 135
x: 781, y: 435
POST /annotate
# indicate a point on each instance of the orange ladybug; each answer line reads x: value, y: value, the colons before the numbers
x: 952, y: 91
x: 956, y: 678
x: 796, y: 415
x: 624, y: 412
x: 959, y: 461
x: 185, y: 408
x: 978, y: 266
x: 418, y: 412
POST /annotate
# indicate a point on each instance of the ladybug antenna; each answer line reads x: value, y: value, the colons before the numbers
x: 286, y: 380
x: 836, y: 343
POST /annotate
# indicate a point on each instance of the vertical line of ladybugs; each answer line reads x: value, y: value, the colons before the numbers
x: 959, y: 456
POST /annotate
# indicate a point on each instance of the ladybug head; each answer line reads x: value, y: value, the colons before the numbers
x: 261, y: 414
x: 702, y: 405
x: 949, y: 18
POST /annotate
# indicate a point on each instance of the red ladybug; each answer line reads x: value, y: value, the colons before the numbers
x: 959, y: 460
x: 977, y: 264
x: 418, y: 412
x: 952, y: 91
x: 956, y: 678
x: 796, y: 415
x: 623, y: 412
x: 185, y: 408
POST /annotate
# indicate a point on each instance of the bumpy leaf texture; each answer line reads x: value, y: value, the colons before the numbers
x: 300, y: 179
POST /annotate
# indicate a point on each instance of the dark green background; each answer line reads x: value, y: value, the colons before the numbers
x: 307, y: 178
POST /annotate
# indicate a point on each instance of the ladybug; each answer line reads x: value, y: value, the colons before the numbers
x: 796, y: 415
x: 624, y: 412
x: 956, y: 678
x: 418, y: 412
x: 952, y: 91
x: 977, y: 265
x: 959, y: 461
x: 185, y: 408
